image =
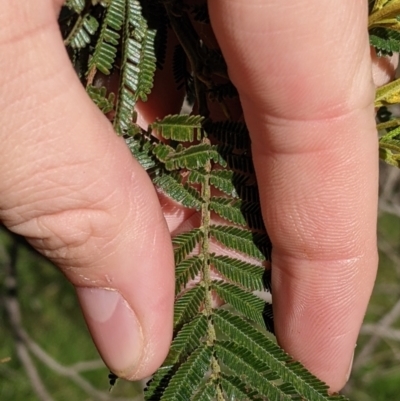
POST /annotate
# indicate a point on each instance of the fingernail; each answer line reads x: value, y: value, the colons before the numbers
x: 114, y: 328
x: 350, y: 368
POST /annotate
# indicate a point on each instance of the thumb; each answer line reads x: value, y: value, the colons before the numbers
x: 71, y: 187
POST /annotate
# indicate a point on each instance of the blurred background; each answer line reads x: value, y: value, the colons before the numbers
x: 46, y: 353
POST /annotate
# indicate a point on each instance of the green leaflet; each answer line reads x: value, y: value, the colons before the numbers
x: 141, y: 150
x: 244, y: 302
x: 80, y: 36
x: 389, y: 142
x: 185, y: 243
x: 137, y: 68
x: 239, y: 239
x: 241, y: 273
x: 235, y: 389
x: 100, y: 99
x: 187, y: 306
x: 228, y: 209
x: 189, y: 376
x: 187, y: 270
x: 275, y: 358
x: 188, y: 339
x: 193, y: 157
x: 180, y: 128
x: 76, y: 5
x: 225, y: 180
x: 206, y: 392
x: 182, y: 193
x: 256, y: 373
x: 103, y: 57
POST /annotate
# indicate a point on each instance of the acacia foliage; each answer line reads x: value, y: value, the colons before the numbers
x: 205, y: 165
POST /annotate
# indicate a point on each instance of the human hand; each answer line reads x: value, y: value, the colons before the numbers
x: 71, y: 187
x: 304, y: 74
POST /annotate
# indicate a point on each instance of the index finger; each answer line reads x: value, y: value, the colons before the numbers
x: 303, y: 71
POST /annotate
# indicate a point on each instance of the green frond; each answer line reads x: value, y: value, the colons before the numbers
x: 181, y: 193
x: 244, y: 302
x: 181, y: 127
x: 105, y: 51
x: 385, y: 41
x: 187, y: 270
x: 100, y: 99
x: 228, y: 209
x: 82, y: 33
x: 191, y: 158
x: 239, y: 331
x: 239, y: 359
x: 241, y: 273
x: 188, y: 305
x: 238, y: 212
x: 189, y: 376
x: 158, y: 383
x: 240, y: 239
x: 146, y: 66
x: 185, y: 243
x: 187, y: 340
x: 197, y: 177
x: 138, y: 66
x: 225, y: 180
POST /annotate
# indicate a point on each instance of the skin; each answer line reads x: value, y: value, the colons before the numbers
x: 69, y: 185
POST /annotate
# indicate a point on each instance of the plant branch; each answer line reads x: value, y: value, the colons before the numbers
x: 13, y: 310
